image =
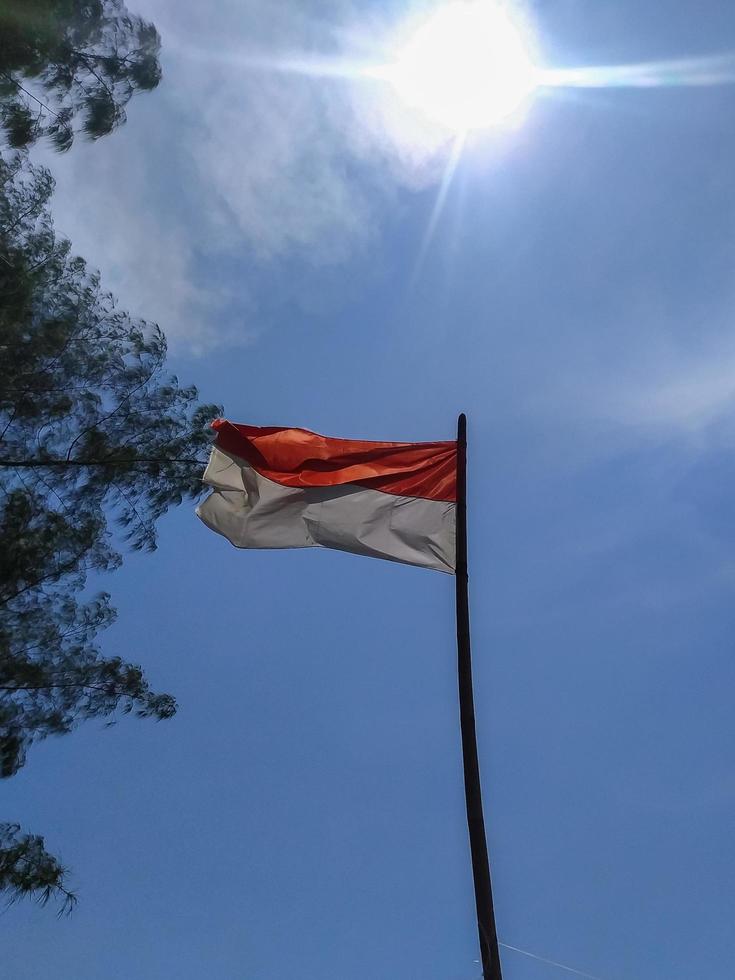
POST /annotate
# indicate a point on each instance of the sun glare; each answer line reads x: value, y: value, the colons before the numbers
x: 466, y: 67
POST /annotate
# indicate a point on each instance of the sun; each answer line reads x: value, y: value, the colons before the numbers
x: 465, y: 67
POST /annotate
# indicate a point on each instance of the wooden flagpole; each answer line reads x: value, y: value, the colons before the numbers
x: 473, y: 795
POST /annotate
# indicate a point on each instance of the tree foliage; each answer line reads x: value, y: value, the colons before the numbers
x: 63, y: 60
x: 52, y: 674
x: 93, y: 436
x: 97, y: 442
x: 27, y: 870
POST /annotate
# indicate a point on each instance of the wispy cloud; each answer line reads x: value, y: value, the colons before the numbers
x: 665, y: 390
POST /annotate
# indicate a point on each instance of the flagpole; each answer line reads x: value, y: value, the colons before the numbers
x: 473, y: 795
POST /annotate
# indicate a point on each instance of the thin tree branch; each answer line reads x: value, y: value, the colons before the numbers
x: 108, y: 462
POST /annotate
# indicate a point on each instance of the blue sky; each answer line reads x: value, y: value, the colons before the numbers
x: 303, y: 814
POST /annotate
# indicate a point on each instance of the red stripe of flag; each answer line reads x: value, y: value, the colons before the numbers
x: 299, y: 458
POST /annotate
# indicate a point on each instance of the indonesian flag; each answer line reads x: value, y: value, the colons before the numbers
x: 291, y: 488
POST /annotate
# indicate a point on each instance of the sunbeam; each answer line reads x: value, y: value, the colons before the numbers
x: 441, y: 197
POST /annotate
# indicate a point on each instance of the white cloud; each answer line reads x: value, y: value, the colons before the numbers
x: 227, y: 163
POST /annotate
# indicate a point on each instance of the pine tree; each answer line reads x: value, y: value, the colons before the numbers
x: 63, y: 59
x: 96, y: 443
x: 27, y: 870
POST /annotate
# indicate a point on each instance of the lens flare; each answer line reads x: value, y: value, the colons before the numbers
x: 679, y: 73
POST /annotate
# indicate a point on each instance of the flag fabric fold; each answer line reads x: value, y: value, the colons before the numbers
x: 291, y: 488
